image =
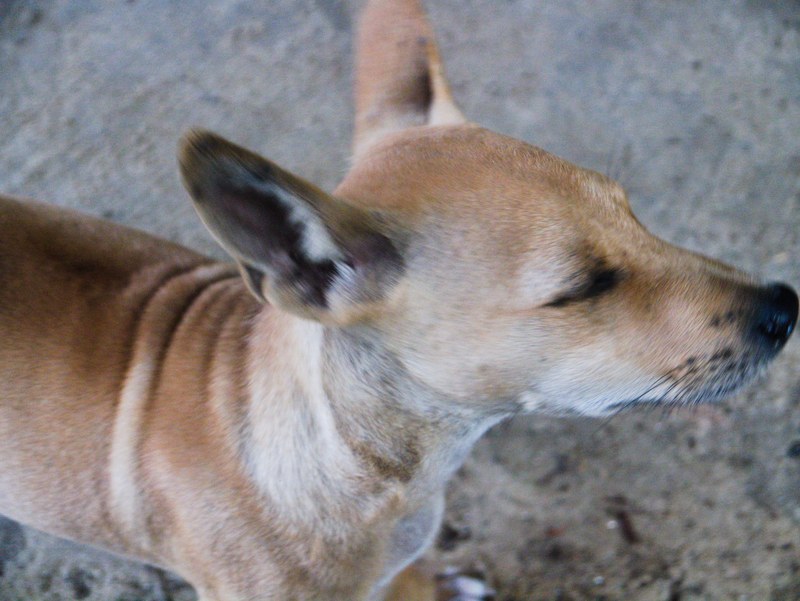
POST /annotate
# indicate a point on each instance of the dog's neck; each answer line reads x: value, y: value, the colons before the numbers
x: 333, y: 414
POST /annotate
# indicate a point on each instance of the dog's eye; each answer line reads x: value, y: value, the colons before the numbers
x: 599, y: 282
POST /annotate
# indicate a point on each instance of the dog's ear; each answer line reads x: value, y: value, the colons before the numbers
x: 302, y: 249
x: 400, y: 79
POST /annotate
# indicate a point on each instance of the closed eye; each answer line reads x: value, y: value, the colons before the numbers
x: 600, y: 281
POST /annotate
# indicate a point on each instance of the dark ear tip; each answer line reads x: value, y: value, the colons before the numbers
x: 201, y: 140
x: 202, y: 160
x: 208, y: 160
x: 198, y: 146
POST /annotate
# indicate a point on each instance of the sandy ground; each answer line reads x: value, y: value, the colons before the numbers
x: 693, y: 106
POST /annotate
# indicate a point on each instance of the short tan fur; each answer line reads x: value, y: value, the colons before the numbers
x: 284, y: 427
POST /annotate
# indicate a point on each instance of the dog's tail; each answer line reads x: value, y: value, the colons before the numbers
x: 399, y: 76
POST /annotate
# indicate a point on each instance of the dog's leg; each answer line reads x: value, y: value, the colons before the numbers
x: 417, y: 584
x: 399, y: 78
x: 412, y: 584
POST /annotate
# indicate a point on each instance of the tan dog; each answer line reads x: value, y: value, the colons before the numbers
x: 298, y: 448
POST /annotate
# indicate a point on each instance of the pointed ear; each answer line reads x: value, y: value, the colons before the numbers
x: 298, y: 247
x: 400, y: 79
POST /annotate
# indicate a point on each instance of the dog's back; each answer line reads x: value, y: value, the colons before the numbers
x: 63, y: 362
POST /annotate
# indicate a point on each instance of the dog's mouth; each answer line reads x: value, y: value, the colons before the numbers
x: 699, y: 379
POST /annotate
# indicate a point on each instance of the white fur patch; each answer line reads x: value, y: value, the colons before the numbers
x: 588, y: 384
x: 295, y: 455
x: 318, y: 245
x: 463, y: 587
x: 125, y: 498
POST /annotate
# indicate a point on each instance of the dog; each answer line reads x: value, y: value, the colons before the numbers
x: 283, y: 427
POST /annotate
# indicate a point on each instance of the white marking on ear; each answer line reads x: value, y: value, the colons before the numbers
x: 445, y: 113
x: 317, y: 242
x: 443, y: 109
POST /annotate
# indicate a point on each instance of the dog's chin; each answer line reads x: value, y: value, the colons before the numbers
x: 698, y: 380
x: 692, y: 389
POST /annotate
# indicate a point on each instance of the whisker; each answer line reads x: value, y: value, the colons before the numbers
x: 625, y: 405
x: 688, y: 385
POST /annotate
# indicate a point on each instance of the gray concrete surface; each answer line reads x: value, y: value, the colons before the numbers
x: 693, y: 106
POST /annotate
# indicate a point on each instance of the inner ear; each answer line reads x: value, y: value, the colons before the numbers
x: 294, y: 243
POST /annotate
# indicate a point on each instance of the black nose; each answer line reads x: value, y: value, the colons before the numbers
x: 777, y: 315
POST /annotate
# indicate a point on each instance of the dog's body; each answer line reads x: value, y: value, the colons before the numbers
x: 298, y: 449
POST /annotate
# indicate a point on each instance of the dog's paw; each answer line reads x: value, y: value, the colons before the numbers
x: 455, y: 585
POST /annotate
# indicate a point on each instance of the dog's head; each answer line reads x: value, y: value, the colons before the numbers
x: 495, y: 272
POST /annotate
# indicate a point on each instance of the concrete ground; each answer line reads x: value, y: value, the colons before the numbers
x: 693, y: 106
